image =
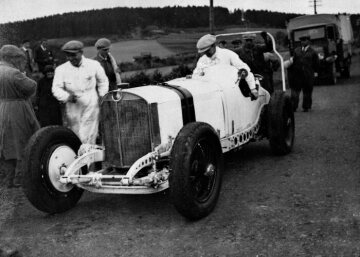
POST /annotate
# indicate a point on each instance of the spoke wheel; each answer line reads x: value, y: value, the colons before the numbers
x: 203, y: 171
x: 196, y: 168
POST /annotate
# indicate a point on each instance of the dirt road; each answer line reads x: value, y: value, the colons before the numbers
x: 303, y: 204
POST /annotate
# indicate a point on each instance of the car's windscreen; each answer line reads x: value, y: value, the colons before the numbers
x: 314, y: 33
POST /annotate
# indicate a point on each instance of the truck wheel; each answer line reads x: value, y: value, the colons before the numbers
x: 281, y: 123
x: 346, y: 72
x: 49, y: 149
x: 196, y: 166
x: 333, y: 75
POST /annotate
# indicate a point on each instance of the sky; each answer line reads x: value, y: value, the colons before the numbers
x: 15, y: 10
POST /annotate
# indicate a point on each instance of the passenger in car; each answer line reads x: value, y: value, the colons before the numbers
x: 212, y: 55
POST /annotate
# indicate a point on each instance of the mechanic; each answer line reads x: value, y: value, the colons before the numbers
x: 108, y: 62
x: 303, y: 67
x: 253, y: 55
x: 213, y: 55
x: 79, y: 83
x: 17, y: 118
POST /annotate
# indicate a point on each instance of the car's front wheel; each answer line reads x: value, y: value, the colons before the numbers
x: 196, y: 169
x: 48, y: 150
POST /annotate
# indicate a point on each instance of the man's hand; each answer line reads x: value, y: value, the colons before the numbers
x: 316, y: 74
x: 254, y: 94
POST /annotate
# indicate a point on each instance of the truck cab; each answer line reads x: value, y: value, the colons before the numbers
x: 331, y: 37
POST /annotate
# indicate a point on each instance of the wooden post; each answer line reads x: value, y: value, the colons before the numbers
x: 211, y: 17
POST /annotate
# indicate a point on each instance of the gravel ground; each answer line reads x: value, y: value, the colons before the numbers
x: 303, y: 204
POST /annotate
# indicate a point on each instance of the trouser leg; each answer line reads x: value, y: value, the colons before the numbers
x: 18, y: 172
x: 295, y: 93
x: 307, y: 98
x: 266, y: 83
x: 7, y: 170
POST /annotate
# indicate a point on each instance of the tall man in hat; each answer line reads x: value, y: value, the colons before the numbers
x: 303, y: 67
x: 43, y: 55
x: 108, y: 62
x: 79, y: 83
x: 25, y: 47
x: 253, y: 55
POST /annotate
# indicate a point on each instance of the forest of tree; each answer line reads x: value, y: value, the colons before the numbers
x: 123, y: 21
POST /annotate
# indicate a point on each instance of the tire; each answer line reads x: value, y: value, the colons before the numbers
x: 281, y: 123
x: 196, y: 166
x: 40, y: 170
x: 346, y: 72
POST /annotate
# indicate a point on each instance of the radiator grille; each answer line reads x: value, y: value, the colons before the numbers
x: 125, y: 129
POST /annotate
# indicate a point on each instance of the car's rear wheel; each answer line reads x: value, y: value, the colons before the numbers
x: 196, y: 169
x: 48, y: 150
x: 281, y: 123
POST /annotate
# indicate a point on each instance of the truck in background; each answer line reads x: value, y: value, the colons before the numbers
x: 331, y: 36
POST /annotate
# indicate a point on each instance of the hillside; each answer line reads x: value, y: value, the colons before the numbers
x: 127, y: 23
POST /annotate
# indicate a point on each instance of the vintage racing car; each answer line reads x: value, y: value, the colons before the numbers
x: 169, y: 135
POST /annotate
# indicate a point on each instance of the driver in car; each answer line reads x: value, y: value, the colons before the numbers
x: 213, y: 55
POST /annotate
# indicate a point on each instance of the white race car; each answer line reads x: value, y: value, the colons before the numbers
x: 170, y: 135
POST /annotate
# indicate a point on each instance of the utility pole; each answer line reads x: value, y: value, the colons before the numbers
x: 211, y: 17
x: 315, y: 4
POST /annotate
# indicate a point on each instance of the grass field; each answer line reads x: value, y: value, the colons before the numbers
x: 124, y: 51
x: 164, y: 46
x: 186, y: 42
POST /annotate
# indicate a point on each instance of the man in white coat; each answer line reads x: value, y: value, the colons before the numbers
x: 212, y: 55
x: 79, y: 83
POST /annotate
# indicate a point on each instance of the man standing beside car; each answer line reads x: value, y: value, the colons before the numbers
x: 213, y: 55
x: 108, y: 62
x: 303, y: 67
x: 253, y: 55
x: 79, y: 83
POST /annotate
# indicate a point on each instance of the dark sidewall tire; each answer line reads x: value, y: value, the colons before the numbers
x: 281, y: 123
x: 196, y: 166
x: 37, y: 185
x: 346, y: 72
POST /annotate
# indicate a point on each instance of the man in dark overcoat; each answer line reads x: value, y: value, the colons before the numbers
x: 302, y: 71
x: 43, y: 55
x: 253, y: 55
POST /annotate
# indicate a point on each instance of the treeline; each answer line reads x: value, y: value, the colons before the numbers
x: 124, y: 21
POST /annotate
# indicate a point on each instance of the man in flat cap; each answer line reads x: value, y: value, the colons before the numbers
x: 108, y: 62
x: 79, y: 83
x: 213, y: 55
x: 303, y: 67
x: 253, y: 55
x: 17, y: 117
